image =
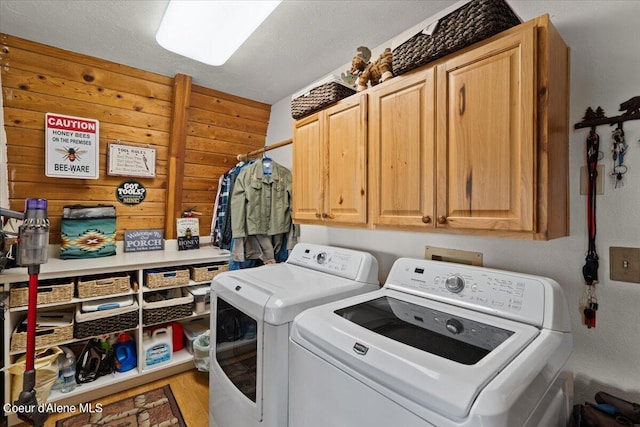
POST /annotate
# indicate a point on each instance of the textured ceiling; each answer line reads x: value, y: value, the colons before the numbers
x: 300, y: 42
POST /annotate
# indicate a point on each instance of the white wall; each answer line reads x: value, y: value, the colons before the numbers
x: 605, y: 71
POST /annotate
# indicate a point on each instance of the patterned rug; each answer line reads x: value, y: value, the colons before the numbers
x: 156, y: 407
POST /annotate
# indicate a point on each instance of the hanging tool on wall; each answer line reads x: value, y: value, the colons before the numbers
x: 32, y: 251
x: 589, y: 302
x: 618, y: 148
x: 591, y: 119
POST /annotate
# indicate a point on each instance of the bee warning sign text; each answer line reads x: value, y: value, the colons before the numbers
x: 71, y: 147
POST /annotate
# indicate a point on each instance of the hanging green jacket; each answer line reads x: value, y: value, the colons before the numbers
x: 261, y: 204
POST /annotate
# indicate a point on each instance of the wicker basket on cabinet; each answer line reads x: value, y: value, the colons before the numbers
x: 103, y: 284
x: 49, y: 291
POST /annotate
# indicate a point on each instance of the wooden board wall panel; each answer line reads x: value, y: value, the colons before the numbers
x: 229, y: 108
x: 18, y: 120
x: 199, y: 143
x: 33, y: 157
x: 23, y: 136
x: 80, y: 68
x: 137, y: 73
x: 198, y: 115
x: 25, y: 80
x: 74, y: 189
x: 222, y: 96
x: 45, y: 103
x: 201, y: 184
x: 147, y: 208
x: 177, y: 144
x: 33, y: 174
x: 209, y: 158
x: 205, y: 171
x: 223, y: 134
x: 198, y: 198
x: 134, y: 106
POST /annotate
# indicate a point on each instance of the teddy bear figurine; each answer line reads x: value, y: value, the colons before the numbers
x: 365, y: 71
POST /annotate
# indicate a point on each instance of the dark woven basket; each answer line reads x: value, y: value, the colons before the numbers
x: 318, y: 98
x: 152, y: 316
x: 106, y: 325
x: 471, y: 23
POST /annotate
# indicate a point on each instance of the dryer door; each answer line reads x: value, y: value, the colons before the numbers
x: 236, y: 353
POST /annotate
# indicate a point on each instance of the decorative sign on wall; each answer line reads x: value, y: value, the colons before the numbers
x: 143, y: 240
x: 131, y: 192
x: 188, y: 233
x: 131, y: 160
x: 71, y: 147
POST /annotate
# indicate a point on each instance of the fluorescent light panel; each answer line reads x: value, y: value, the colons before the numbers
x: 210, y: 31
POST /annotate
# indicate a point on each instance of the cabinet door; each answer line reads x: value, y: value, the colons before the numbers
x: 486, y: 123
x: 345, y: 135
x: 401, y: 155
x: 308, y: 165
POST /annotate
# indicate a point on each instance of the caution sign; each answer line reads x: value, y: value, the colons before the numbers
x: 71, y: 147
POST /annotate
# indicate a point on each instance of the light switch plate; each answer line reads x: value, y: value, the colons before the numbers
x: 453, y: 255
x: 624, y: 264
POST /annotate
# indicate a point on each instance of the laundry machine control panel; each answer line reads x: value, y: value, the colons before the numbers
x: 516, y: 296
x: 350, y: 264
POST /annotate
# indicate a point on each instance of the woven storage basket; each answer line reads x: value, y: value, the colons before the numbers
x: 45, y: 337
x: 204, y: 273
x: 49, y: 291
x: 471, y: 23
x: 162, y: 277
x: 104, y: 284
x: 175, y: 304
x: 105, y: 321
x: 319, y: 97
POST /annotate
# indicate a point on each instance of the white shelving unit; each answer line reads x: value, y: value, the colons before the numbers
x: 134, y: 263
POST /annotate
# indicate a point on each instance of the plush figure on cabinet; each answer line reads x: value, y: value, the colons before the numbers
x: 359, y: 62
x: 365, y: 71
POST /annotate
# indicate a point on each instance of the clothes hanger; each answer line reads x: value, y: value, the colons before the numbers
x: 267, y: 163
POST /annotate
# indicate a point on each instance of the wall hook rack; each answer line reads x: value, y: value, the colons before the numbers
x: 595, y: 118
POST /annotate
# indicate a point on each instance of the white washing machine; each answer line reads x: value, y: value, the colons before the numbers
x: 252, y: 312
x: 440, y: 344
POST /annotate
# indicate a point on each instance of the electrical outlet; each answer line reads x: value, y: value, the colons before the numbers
x: 584, y: 179
x: 624, y: 264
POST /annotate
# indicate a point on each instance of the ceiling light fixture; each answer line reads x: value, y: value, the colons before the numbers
x: 210, y: 31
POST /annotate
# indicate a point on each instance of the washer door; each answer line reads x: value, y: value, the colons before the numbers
x: 236, y: 353
x: 452, y: 337
x: 423, y: 354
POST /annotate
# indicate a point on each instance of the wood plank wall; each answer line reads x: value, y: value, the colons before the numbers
x: 133, y: 106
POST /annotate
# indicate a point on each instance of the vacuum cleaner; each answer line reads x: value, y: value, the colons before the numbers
x: 32, y: 251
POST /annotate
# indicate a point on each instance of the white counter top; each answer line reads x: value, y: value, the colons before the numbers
x: 56, y: 267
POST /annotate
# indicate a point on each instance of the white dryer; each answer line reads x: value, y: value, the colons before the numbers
x: 440, y: 344
x: 252, y: 312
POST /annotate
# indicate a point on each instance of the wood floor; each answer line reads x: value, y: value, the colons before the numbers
x: 190, y: 388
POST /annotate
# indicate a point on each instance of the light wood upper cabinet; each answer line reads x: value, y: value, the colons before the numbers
x: 401, y: 151
x: 474, y: 143
x: 486, y: 130
x: 330, y: 164
x: 308, y: 168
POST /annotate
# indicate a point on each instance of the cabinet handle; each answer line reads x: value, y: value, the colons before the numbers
x: 318, y: 215
x: 442, y: 219
x: 327, y: 216
x: 463, y: 100
x: 426, y: 219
